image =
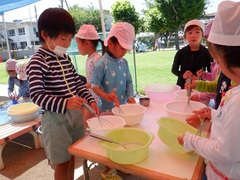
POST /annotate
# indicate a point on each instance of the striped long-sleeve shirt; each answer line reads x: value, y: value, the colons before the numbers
x: 53, y: 80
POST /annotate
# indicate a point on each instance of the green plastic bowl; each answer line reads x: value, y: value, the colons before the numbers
x: 128, y: 135
x: 170, y: 129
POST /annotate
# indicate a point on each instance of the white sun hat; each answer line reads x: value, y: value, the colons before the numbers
x: 195, y: 22
x: 124, y: 32
x: 21, y: 70
x: 87, y: 31
x: 226, y: 25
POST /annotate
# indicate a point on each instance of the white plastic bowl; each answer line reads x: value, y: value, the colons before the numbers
x: 176, y: 109
x: 96, y: 128
x: 23, y: 112
x: 132, y: 113
x: 161, y: 92
x: 182, y: 94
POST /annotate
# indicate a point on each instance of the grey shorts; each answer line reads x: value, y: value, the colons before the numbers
x: 59, y: 131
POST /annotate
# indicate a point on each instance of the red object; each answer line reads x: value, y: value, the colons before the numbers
x: 219, y: 173
x: 0, y: 59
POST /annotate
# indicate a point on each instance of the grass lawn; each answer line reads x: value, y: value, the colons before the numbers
x: 151, y: 67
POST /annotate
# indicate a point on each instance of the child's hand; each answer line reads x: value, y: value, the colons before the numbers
x: 187, y: 74
x: 202, y: 113
x: 194, y: 121
x: 201, y: 74
x: 180, y: 140
x: 190, y: 86
x: 131, y: 101
x: 110, y: 97
x: 195, y: 98
x: 75, y: 103
x: 13, y: 96
x: 205, y: 113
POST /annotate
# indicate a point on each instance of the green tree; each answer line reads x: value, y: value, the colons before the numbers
x: 86, y: 16
x: 155, y: 21
x: 179, y: 12
x: 123, y: 10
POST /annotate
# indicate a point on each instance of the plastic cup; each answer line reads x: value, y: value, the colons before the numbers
x: 14, y: 101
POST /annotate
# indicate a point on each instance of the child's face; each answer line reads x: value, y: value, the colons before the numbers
x: 63, y: 40
x: 82, y: 46
x: 116, y: 49
x: 12, y: 73
x: 233, y: 74
x: 194, y: 36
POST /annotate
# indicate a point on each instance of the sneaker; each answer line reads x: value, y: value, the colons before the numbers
x: 110, y: 174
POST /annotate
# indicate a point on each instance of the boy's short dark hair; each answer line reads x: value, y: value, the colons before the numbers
x: 54, y: 21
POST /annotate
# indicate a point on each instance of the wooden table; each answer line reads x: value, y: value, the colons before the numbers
x: 161, y: 163
x: 12, y: 130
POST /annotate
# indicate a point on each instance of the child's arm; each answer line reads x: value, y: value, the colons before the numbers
x: 206, y: 86
x: 10, y: 86
x: 107, y: 97
x: 175, y: 66
x: 23, y: 89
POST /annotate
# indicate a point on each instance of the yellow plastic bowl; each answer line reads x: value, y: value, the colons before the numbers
x: 128, y: 135
x: 170, y: 129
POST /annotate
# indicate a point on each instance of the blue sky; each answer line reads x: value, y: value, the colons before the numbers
x: 26, y: 12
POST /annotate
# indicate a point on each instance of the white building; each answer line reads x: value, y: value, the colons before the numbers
x: 21, y: 35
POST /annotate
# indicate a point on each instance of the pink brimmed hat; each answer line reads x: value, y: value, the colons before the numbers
x: 195, y: 22
x: 11, y: 64
x: 124, y: 32
x: 87, y: 31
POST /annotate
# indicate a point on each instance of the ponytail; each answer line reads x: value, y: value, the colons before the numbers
x: 103, y: 47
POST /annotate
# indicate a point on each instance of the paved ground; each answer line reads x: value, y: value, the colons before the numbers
x: 23, y: 162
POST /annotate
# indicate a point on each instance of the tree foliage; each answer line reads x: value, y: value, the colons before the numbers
x: 123, y: 10
x: 86, y: 16
x: 178, y: 12
x: 154, y: 22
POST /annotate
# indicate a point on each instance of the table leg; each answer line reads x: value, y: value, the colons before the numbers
x: 1, y: 158
x: 85, y: 169
x: 36, y: 139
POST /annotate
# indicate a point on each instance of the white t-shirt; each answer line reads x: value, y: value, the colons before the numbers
x: 223, y: 146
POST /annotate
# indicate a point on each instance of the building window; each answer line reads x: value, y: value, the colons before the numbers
x: 21, y: 31
x: 34, y: 30
x: 23, y: 44
x: 11, y: 32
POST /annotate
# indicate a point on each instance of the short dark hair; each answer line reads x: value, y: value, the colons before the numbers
x: 230, y: 54
x: 54, y: 21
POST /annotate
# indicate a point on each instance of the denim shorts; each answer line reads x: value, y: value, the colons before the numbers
x: 59, y: 131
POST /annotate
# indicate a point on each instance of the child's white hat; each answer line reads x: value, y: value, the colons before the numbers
x: 226, y: 25
x: 21, y: 70
x: 194, y: 22
x: 124, y: 32
x: 87, y: 31
x: 11, y: 64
